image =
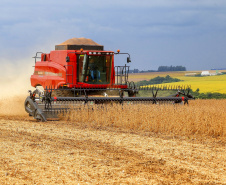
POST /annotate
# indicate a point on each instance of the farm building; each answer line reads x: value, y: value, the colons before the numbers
x: 190, y: 74
x: 205, y: 73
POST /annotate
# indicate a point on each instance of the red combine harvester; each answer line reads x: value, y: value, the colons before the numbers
x: 79, y: 70
x: 78, y: 63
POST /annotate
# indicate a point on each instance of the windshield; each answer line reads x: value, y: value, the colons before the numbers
x: 94, y: 69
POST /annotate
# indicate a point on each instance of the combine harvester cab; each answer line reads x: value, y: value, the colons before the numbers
x: 79, y: 70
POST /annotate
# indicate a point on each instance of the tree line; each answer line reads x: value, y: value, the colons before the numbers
x: 171, y: 68
x: 207, y: 95
x: 158, y: 80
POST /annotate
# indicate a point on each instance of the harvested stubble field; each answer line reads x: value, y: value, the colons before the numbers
x: 139, y: 144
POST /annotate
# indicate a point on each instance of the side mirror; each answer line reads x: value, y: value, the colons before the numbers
x: 128, y: 60
x: 67, y: 59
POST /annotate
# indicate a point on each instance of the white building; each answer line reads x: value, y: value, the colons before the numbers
x: 190, y: 74
x: 205, y: 73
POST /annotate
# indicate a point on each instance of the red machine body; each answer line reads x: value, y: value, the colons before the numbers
x: 77, y: 68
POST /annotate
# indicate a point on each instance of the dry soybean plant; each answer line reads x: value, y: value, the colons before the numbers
x: 200, y: 117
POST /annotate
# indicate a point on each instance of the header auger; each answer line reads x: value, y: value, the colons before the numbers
x: 79, y: 72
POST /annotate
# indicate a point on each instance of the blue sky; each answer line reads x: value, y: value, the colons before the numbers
x: 191, y: 33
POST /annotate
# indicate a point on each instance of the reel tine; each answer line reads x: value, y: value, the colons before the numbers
x: 156, y: 93
x: 188, y: 91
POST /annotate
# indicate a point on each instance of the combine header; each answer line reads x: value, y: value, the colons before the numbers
x: 79, y: 71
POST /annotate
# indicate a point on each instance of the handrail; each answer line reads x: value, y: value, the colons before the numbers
x: 36, y: 56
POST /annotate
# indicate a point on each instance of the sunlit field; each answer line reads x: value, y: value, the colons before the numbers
x: 205, y: 84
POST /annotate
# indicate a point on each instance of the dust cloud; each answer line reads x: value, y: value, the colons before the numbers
x: 14, y: 86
